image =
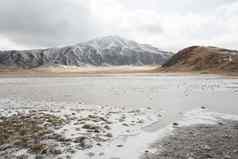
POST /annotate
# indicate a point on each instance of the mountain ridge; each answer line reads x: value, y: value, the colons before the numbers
x: 109, y: 50
x: 203, y: 58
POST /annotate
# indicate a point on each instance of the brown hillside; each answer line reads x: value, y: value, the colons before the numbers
x: 197, y: 58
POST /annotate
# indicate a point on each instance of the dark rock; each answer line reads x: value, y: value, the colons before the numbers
x: 70, y: 150
x: 55, y: 151
x: 108, y: 135
x: 68, y: 157
x: 99, y: 144
x: 140, y: 121
x: 125, y: 124
x: 220, y: 123
x: 84, y: 142
x: 91, y: 128
x: 107, y: 127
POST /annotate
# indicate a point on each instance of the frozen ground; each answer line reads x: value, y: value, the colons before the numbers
x: 68, y: 130
x: 106, y: 117
x: 199, y: 135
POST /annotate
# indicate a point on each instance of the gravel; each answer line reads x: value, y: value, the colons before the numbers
x: 202, y: 141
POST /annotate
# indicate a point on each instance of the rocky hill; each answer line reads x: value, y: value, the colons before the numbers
x: 110, y: 50
x: 199, y: 58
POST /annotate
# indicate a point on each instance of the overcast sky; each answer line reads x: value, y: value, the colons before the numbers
x: 167, y: 24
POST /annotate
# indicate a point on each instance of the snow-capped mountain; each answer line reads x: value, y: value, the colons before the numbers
x: 110, y: 50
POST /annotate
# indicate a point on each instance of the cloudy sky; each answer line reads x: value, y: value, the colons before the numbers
x: 167, y: 24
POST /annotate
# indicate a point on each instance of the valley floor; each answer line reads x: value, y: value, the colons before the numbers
x: 71, y: 71
x: 79, y: 71
x: 119, y: 117
x: 60, y: 131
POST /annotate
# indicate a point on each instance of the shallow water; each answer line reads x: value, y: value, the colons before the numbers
x: 172, y: 94
x: 169, y: 96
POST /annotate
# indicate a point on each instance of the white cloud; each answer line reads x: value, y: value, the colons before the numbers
x: 6, y: 44
x: 189, y: 23
x: 167, y: 24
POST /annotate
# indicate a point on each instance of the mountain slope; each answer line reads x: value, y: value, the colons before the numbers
x: 110, y: 50
x: 198, y: 58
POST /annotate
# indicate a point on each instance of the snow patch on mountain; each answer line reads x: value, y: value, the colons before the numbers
x: 109, y: 50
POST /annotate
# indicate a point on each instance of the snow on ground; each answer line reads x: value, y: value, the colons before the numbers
x: 77, y: 130
x: 203, y: 116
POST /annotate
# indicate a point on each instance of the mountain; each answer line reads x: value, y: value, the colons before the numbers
x: 110, y: 50
x: 199, y: 58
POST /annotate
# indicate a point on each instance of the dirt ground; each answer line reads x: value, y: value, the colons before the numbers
x: 78, y: 71
x: 73, y: 71
x: 199, y: 142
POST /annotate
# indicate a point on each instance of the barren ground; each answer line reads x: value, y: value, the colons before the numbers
x: 108, y: 117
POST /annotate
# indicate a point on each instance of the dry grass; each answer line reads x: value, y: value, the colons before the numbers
x: 203, y: 59
x: 79, y: 71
